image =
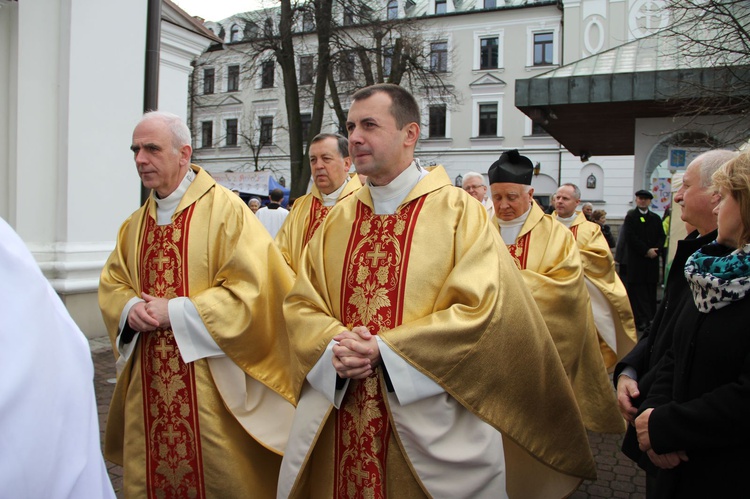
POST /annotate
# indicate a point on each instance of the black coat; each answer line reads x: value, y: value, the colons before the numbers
x: 643, y: 232
x: 701, y: 397
x: 655, y: 342
x: 607, y: 232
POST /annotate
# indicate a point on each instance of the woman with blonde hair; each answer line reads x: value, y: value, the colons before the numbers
x: 695, y: 422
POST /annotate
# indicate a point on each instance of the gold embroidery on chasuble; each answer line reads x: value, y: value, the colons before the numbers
x: 174, y: 466
x: 318, y: 213
x: 372, y: 295
x: 520, y: 251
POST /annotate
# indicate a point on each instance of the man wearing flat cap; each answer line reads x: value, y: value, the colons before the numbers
x: 645, y: 238
x: 547, y: 254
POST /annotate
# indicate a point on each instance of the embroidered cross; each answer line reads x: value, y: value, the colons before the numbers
x: 376, y: 255
x: 359, y: 473
x: 163, y: 349
x: 170, y: 434
x: 161, y: 260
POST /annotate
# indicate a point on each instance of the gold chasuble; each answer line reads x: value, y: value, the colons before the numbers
x: 548, y: 257
x: 306, y: 216
x: 609, y: 300
x: 168, y: 424
x: 425, y: 280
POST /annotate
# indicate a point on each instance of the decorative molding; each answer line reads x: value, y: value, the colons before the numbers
x: 72, y: 267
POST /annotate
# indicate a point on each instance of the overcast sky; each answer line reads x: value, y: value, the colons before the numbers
x: 216, y: 10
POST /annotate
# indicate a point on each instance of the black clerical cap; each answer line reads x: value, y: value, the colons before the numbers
x: 511, y: 167
x: 643, y: 193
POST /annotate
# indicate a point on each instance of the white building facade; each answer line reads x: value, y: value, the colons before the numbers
x: 488, y: 45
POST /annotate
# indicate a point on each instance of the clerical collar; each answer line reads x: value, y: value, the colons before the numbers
x: 643, y: 212
x: 387, y: 198
x: 510, y: 229
x: 166, y: 207
x: 567, y: 222
x: 330, y: 199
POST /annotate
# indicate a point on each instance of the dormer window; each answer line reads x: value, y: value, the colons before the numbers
x: 441, y: 6
x: 234, y: 34
x: 393, y: 9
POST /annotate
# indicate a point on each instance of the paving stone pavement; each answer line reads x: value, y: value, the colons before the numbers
x: 618, y: 477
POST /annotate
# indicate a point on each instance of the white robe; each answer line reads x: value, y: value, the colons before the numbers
x: 49, y: 425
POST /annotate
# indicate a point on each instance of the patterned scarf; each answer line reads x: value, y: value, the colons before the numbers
x: 718, y: 276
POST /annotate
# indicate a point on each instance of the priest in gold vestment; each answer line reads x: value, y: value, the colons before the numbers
x: 548, y: 257
x: 609, y: 300
x: 191, y: 297
x: 329, y: 164
x: 421, y: 374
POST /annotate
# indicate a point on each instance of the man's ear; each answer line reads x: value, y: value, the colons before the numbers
x: 186, y: 151
x: 412, y: 134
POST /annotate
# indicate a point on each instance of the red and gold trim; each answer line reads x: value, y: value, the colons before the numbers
x: 373, y: 286
x: 520, y: 250
x: 174, y: 466
x: 318, y: 213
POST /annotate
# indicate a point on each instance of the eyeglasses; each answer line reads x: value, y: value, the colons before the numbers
x: 472, y: 187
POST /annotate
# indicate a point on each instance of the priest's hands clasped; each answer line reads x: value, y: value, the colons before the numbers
x: 356, y: 354
x: 150, y: 314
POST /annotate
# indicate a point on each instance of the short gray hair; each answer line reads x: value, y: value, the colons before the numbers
x: 710, y: 161
x: 469, y: 175
x: 576, y: 190
x: 177, y: 128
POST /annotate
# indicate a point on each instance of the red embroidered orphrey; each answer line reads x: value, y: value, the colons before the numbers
x: 318, y: 213
x: 373, y: 284
x: 174, y: 466
x: 520, y: 251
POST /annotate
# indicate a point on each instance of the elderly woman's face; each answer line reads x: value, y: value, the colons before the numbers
x: 729, y: 220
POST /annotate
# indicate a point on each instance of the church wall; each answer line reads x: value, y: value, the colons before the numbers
x: 8, y: 63
x: 71, y: 91
x: 178, y: 49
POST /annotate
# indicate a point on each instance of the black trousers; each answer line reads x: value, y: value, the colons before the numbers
x: 642, y: 296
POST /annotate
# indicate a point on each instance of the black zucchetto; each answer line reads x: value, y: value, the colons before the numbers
x: 511, y: 167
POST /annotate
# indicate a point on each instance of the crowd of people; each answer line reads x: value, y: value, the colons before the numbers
x: 393, y: 335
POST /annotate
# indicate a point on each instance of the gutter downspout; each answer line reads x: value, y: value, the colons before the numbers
x: 151, y: 74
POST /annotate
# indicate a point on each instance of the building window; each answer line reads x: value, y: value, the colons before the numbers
x: 387, y: 61
x: 231, y: 126
x: 441, y: 6
x: 348, y: 15
x: 267, y: 73
x: 490, y: 4
x: 251, y: 31
x: 543, y: 46
x: 489, y: 53
x: 266, y: 131
x: 488, y: 120
x: 207, y: 134
x: 234, y: 34
x: 233, y: 78
x: 268, y: 27
x: 346, y: 67
x: 305, y: 121
x: 437, y: 121
x: 306, y: 70
x: 393, y: 9
x: 439, y: 57
x: 308, y: 21
x: 208, y: 80
x: 536, y: 129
